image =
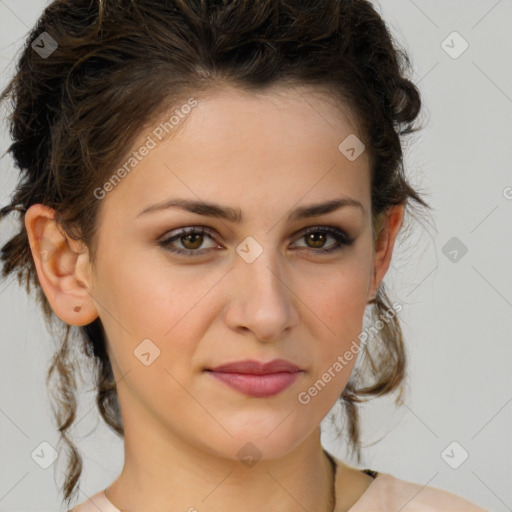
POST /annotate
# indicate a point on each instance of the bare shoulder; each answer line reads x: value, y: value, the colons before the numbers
x: 426, y: 498
x: 360, y: 492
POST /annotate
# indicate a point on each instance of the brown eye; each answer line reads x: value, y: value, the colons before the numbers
x: 316, y: 238
x: 191, y: 239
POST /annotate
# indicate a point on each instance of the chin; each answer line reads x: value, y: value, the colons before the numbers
x: 253, y: 443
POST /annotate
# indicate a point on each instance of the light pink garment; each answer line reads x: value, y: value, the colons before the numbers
x: 385, y: 494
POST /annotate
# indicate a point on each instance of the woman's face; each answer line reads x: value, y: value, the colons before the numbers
x: 259, y: 288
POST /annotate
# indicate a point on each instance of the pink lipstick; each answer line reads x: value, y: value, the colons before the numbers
x: 257, y: 379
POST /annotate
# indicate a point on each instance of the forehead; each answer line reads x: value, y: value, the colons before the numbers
x: 258, y: 145
x: 315, y: 108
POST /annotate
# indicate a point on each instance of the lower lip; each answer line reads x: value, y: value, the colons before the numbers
x: 258, y: 385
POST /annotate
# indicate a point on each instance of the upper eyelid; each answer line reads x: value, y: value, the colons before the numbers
x: 186, y: 230
x: 211, y: 232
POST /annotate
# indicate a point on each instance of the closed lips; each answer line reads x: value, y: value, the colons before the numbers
x: 257, y: 367
x: 256, y: 379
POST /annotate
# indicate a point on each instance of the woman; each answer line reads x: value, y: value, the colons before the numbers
x: 211, y: 194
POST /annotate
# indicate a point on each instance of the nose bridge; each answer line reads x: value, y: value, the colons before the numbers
x: 261, y: 265
x: 265, y: 299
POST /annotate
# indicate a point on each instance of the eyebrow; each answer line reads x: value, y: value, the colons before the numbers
x: 235, y: 215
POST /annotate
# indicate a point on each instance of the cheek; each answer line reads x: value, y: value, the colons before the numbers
x: 338, y: 304
x: 169, y: 308
x: 141, y: 291
x: 339, y: 296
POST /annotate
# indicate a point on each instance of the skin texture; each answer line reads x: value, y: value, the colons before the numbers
x: 266, y: 154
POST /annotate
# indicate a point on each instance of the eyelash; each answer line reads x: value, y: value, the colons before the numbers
x: 342, y: 239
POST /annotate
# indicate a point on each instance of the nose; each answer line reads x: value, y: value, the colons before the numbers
x: 263, y: 300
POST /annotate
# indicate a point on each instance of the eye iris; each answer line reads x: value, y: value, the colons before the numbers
x: 313, y: 237
x: 195, y: 236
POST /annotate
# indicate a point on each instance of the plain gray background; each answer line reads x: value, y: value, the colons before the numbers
x: 456, y: 316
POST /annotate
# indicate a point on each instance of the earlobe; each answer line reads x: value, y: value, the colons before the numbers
x: 391, y: 224
x: 62, y: 270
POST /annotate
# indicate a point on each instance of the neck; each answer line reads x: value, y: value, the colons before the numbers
x: 188, y: 479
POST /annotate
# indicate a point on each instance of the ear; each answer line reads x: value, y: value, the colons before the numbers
x: 387, y: 231
x: 62, y: 266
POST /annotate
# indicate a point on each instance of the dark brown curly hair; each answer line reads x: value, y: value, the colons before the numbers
x: 118, y: 64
